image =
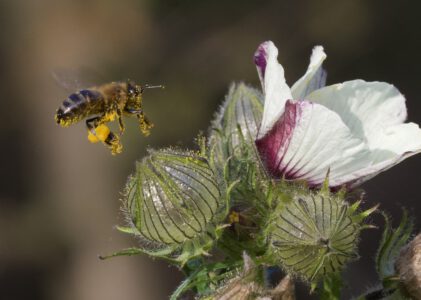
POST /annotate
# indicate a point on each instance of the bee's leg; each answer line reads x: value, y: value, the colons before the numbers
x: 98, y: 131
x: 92, y: 123
x: 144, y: 123
x: 120, y: 122
x: 113, y: 143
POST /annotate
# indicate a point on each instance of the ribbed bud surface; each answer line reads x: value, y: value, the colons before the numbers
x: 314, y: 235
x: 237, y: 122
x: 172, y: 197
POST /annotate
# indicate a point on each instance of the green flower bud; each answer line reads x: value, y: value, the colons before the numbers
x: 236, y: 124
x: 315, y: 234
x: 174, y: 201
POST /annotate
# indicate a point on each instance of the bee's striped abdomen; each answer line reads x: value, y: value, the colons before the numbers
x: 77, y: 106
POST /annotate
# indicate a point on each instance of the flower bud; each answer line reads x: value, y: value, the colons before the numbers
x: 243, y: 285
x: 314, y: 234
x: 408, y: 266
x: 248, y: 285
x: 236, y: 124
x: 174, y: 201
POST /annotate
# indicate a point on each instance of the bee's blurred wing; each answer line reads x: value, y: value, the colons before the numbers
x: 76, y: 79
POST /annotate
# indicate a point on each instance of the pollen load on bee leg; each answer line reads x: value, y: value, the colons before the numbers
x: 101, y: 134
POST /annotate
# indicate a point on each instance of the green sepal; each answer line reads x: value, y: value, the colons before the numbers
x: 330, y: 288
x: 162, y: 254
x: 391, y: 243
x: 359, y: 217
x: 128, y: 230
x: 204, y: 277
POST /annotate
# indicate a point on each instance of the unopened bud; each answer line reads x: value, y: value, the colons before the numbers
x: 236, y: 124
x: 243, y: 286
x: 315, y: 234
x: 174, y: 198
x: 408, y: 266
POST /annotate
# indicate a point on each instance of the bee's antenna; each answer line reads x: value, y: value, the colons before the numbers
x: 147, y: 86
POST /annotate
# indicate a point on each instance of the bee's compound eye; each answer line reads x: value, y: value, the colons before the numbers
x: 131, y: 89
x: 59, y: 115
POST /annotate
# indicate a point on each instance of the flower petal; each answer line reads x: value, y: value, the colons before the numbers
x: 308, y: 141
x: 367, y: 108
x: 314, y: 78
x: 375, y: 112
x: 397, y: 143
x: 273, y: 83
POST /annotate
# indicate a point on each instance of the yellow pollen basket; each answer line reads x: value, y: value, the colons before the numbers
x: 101, y: 134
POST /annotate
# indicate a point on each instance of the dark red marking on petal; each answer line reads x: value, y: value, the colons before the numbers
x: 260, y: 59
x: 273, y: 146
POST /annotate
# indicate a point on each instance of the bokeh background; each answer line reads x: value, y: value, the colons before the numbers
x: 59, y: 194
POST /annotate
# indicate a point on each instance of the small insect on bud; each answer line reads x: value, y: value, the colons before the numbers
x: 174, y: 202
x: 408, y: 266
x: 314, y: 234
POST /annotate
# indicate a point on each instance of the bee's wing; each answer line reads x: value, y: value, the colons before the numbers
x: 76, y: 79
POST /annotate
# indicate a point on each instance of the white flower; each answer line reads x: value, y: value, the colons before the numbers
x: 354, y: 129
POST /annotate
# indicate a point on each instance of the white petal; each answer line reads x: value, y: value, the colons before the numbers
x: 308, y: 141
x: 367, y: 108
x: 395, y: 144
x: 274, y: 86
x: 314, y: 78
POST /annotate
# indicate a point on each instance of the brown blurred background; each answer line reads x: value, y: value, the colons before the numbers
x: 59, y: 194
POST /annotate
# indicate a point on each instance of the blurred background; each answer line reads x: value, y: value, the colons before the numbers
x: 59, y: 194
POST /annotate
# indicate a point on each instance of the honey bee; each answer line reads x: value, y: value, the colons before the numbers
x: 102, y: 104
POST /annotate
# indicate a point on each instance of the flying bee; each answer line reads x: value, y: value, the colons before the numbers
x: 102, y: 104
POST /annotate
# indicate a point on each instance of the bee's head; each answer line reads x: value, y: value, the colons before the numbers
x: 133, y: 90
x: 62, y: 118
x: 134, y: 95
